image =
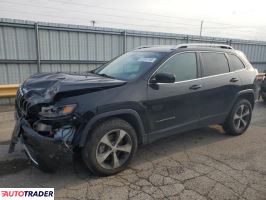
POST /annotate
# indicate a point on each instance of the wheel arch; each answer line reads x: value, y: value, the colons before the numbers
x: 246, y: 94
x: 129, y: 115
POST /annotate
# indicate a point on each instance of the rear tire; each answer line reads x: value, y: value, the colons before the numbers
x: 110, y: 147
x: 239, y: 118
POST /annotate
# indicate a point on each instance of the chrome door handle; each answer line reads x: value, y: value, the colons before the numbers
x: 233, y: 80
x: 195, y: 87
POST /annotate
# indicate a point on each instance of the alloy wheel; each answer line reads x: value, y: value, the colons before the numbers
x: 114, y: 149
x: 242, y: 117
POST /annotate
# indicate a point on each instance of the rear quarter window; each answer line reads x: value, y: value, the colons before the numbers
x: 235, y: 62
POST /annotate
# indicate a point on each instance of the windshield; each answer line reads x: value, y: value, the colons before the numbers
x: 130, y: 66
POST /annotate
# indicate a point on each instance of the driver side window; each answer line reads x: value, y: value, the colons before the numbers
x: 183, y: 66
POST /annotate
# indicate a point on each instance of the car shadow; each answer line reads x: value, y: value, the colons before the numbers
x: 73, y: 172
x: 260, y: 103
x: 258, y: 117
x: 161, y: 149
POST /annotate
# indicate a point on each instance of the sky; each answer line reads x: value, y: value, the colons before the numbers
x: 243, y: 19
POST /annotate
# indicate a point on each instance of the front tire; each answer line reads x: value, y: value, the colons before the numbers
x: 110, y: 147
x: 239, y: 119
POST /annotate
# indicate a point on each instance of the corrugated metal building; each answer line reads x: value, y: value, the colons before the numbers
x: 27, y: 47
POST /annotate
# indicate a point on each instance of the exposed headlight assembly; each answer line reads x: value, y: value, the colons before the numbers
x: 53, y: 111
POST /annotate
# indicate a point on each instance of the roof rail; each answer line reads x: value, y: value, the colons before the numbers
x: 143, y: 47
x: 222, y: 46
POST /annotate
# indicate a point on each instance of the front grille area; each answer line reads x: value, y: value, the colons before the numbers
x: 22, y: 104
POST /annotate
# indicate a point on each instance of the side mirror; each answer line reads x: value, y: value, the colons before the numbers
x: 163, y: 78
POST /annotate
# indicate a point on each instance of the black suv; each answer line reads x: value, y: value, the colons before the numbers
x: 136, y: 98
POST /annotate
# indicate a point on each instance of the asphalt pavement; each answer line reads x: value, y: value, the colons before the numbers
x: 200, y: 164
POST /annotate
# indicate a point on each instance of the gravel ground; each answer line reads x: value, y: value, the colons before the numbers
x: 200, y: 164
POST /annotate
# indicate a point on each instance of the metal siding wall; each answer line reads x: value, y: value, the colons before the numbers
x: 18, y: 44
x: 81, y: 43
x: 16, y: 73
x: 3, y: 74
x: 10, y: 39
x: 44, y: 45
x: 117, y: 46
x: 6, y: 101
x: 64, y: 45
x: 68, y: 67
x: 91, y: 46
x: 137, y: 41
x: 260, y: 67
x: 2, y: 43
x: 83, y: 48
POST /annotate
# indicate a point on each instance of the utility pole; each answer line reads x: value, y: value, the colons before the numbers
x: 93, y: 22
x: 201, y: 26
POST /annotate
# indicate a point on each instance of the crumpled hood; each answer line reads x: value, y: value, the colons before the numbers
x: 48, y: 85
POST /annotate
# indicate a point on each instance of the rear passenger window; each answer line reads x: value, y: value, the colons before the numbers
x: 235, y: 62
x: 183, y: 66
x: 214, y: 63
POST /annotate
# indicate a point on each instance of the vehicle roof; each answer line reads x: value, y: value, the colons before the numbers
x: 187, y: 47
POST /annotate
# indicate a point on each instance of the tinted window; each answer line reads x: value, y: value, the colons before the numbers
x: 214, y: 63
x: 130, y: 65
x: 235, y: 62
x: 184, y: 66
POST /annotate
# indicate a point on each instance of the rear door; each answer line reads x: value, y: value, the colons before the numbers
x: 175, y: 106
x: 220, y: 87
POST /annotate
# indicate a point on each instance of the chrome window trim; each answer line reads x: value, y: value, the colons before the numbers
x: 200, y: 78
x: 230, y: 72
x: 169, y: 59
x: 222, y: 74
x: 239, y: 58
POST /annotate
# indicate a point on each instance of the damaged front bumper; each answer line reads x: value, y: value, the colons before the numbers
x: 41, y: 150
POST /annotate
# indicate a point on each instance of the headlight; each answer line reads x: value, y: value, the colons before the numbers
x: 52, y: 111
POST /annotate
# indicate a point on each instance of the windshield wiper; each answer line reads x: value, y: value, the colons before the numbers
x: 89, y: 72
x: 105, y: 75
